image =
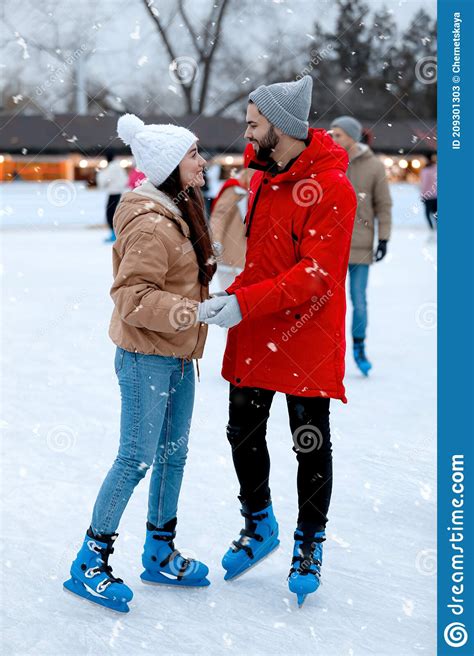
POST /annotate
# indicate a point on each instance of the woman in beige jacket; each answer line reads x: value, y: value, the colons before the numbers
x: 162, y: 264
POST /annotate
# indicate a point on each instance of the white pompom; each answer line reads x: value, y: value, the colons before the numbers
x: 127, y: 127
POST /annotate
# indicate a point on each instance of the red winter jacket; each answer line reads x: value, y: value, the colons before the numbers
x: 292, y: 291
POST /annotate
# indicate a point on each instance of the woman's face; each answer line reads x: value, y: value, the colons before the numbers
x: 191, y: 168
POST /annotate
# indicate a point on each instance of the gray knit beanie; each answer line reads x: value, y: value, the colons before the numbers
x: 350, y: 125
x: 286, y: 105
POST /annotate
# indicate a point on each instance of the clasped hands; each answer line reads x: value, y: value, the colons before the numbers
x: 222, y: 310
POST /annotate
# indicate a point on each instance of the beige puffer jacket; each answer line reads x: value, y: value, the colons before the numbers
x: 367, y: 175
x: 156, y: 288
x: 228, y: 228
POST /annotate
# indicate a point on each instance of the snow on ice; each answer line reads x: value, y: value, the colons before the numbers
x: 61, y: 434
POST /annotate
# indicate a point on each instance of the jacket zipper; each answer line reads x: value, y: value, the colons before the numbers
x: 254, y: 205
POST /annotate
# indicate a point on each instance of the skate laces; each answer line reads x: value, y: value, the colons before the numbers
x: 105, y: 567
x: 248, y: 533
x: 173, y: 555
x: 306, y: 558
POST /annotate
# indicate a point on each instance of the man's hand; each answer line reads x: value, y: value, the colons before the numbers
x: 381, y: 251
x: 229, y: 314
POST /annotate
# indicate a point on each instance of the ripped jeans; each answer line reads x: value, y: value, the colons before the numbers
x: 157, y: 404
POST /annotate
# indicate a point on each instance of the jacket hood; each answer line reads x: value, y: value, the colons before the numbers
x: 321, y: 154
x: 147, y: 199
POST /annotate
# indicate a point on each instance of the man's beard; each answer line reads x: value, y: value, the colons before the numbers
x: 267, y: 144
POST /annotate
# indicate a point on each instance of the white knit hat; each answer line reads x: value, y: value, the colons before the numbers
x: 158, y: 149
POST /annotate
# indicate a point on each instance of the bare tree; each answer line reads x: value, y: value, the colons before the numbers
x: 59, y: 46
x: 212, y: 59
x: 205, y: 51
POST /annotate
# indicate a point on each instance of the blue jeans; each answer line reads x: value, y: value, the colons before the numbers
x: 358, y: 278
x: 157, y: 405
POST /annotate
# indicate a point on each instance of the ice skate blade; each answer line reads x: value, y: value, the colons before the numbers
x: 300, y: 595
x: 158, y: 579
x: 232, y: 577
x: 364, y: 370
x: 77, y: 589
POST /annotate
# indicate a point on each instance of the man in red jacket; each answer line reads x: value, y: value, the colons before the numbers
x: 286, y: 315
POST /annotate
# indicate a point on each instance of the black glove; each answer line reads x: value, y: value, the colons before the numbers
x: 381, y: 251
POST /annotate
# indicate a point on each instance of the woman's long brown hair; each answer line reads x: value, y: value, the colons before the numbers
x: 191, y: 204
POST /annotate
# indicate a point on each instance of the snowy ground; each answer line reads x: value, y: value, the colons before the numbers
x: 61, y: 423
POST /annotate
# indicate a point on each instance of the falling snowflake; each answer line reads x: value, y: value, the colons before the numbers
x: 136, y: 32
x: 408, y: 606
x: 22, y: 43
x: 425, y: 491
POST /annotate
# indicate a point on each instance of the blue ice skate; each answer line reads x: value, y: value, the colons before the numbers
x: 360, y: 358
x: 257, y: 540
x: 305, y: 572
x: 165, y: 565
x: 91, y: 574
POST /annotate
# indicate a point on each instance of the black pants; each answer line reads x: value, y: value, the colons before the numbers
x: 112, y: 202
x: 431, y: 211
x: 249, y: 409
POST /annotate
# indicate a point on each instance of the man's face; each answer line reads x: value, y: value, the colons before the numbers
x: 342, y: 138
x: 260, y: 132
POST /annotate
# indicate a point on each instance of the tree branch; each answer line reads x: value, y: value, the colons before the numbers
x: 232, y: 101
x: 218, y: 23
x: 156, y: 19
x: 207, y: 60
x: 189, y: 27
x: 164, y: 36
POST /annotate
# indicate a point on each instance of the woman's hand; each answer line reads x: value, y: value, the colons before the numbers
x: 228, y: 314
x: 208, y: 309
